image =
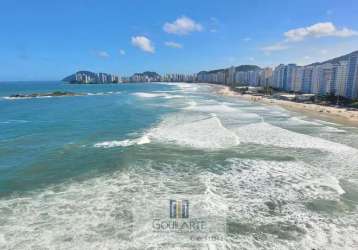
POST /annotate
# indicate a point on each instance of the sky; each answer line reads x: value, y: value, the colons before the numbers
x: 48, y: 40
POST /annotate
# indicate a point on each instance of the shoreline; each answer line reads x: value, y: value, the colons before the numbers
x: 338, y: 115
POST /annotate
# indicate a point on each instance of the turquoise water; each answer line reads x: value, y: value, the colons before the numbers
x: 43, y: 139
x: 72, y: 167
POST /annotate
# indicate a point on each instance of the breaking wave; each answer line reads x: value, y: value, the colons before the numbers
x: 124, y: 143
x: 201, y: 132
x: 155, y: 95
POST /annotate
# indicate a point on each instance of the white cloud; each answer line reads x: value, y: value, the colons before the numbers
x: 274, y: 47
x: 182, y: 26
x: 102, y: 54
x: 143, y: 43
x: 173, y: 45
x: 318, y: 30
x: 323, y: 29
x: 247, y: 39
x: 122, y: 52
x: 251, y: 59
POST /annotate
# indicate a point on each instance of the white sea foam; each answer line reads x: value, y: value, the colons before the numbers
x: 286, y: 187
x: 300, y: 121
x: 322, y: 126
x: 155, y: 95
x: 195, y: 131
x: 266, y: 199
x: 29, y: 97
x: 267, y: 134
x: 97, y: 213
x: 211, y: 108
x: 147, y: 95
x: 16, y: 98
x: 94, y: 214
x: 165, y: 91
x: 185, y: 87
x: 333, y: 129
x: 13, y: 121
x: 103, y: 93
x: 99, y: 93
x: 124, y: 143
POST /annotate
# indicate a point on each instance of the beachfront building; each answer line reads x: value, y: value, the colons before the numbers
x: 266, y: 77
x: 289, y: 77
x: 326, y: 80
x: 241, y: 78
x: 340, y: 73
x: 278, y: 76
x: 307, y: 79
x: 351, y: 86
x: 337, y: 76
x: 284, y: 77
x: 178, y: 78
x: 230, y: 80
x: 292, y: 78
x: 234, y: 76
x: 298, y: 79
x: 322, y: 77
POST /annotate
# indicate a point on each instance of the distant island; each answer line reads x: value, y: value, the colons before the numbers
x: 39, y: 95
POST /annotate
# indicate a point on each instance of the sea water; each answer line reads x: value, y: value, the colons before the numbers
x: 73, y: 167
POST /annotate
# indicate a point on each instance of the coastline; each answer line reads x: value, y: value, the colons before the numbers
x: 339, y: 115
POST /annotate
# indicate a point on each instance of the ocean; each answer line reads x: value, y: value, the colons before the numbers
x: 89, y: 171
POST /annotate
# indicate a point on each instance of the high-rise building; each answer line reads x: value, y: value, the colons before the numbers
x: 298, y: 79
x: 322, y: 80
x: 278, y: 76
x: 266, y: 77
x: 340, y: 73
x: 351, y: 86
x: 289, y: 77
x: 230, y: 80
x: 307, y: 79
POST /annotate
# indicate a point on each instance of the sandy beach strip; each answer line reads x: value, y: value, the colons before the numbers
x: 341, y: 115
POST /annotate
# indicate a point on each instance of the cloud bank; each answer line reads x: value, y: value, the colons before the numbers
x: 318, y: 30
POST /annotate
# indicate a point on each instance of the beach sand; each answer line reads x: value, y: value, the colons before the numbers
x: 340, y: 115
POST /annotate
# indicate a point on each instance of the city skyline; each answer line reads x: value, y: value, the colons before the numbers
x: 45, y: 41
x: 335, y: 77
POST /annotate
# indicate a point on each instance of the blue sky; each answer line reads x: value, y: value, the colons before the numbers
x: 47, y: 40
